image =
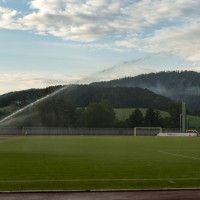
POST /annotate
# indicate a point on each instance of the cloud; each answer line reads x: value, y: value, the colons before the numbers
x: 73, y: 20
x: 31, y: 78
x: 182, y: 41
x: 150, y: 25
x: 21, y: 81
x: 92, y: 20
x: 7, y: 19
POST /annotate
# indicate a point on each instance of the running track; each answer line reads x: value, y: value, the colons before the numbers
x: 105, y: 195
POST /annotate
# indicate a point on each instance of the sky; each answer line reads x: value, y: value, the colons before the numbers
x: 53, y: 42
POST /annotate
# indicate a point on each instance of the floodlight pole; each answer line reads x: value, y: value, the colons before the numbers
x: 180, y: 123
x: 183, y: 117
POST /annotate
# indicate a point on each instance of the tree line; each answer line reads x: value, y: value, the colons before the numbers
x: 89, y: 109
x: 83, y: 95
x: 102, y: 115
x: 57, y: 112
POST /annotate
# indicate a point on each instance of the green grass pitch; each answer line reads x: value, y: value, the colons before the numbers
x: 98, y: 162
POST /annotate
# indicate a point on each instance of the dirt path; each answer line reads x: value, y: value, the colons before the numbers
x: 126, y: 195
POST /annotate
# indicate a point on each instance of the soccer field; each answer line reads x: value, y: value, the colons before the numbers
x: 98, y: 162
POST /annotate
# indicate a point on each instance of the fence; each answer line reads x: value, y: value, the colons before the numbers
x: 171, y: 130
x: 75, y: 131
x: 10, y: 131
x: 65, y: 131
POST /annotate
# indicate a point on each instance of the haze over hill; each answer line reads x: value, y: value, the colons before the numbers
x: 177, y: 85
x: 143, y: 91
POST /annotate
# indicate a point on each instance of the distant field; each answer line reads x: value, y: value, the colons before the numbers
x: 9, y: 109
x: 89, y: 162
x: 193, y: 122
x: 124, y: 113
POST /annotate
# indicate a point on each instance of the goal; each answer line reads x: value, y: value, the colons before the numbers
x: 147, y: 131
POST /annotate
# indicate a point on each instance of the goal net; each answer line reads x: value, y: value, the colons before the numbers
x: 147, y: 131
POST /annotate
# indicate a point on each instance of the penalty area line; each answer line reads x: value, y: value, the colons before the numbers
x: 179, y: 155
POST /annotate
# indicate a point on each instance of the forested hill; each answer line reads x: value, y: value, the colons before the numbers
x: 12, y: 101
x: 119, y: 97
x: 83, y: 95
x: 178, y: 85
x: 24, y: 97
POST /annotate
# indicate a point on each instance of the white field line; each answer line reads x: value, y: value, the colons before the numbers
x: 179, y: 155
x: 183, y: 150
x: 78, y: 180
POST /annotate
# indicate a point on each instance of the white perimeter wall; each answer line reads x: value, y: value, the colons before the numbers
x: 178, y: 134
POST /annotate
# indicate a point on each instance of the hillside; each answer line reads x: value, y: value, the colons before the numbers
x: 147, y: 90
x: 12, y: 101
x: 177, y: 85
x: 119, y: 97
x: 25, y: 97
x: 81, y: 96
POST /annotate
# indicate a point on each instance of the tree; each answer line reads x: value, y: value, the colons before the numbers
x: 158, y: 119
x: 100, y: 115
x: 121, y: 123
x: 175, y: 110
x: 152, y: 118
x: 2, y: 114
x: 136, y: 119
x: 80, y: 118
x: 57, y: 112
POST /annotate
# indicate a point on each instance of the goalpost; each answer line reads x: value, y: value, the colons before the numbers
x: 147, y: 131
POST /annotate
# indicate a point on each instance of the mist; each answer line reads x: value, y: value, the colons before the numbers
x: 125, y: 69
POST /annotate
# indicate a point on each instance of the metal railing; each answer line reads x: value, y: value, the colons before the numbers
x: 10, y: 131
x: 65, y: 131
x: 75, y: 131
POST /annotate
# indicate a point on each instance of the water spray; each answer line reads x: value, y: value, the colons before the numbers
x: 135, y: 61
x: 32, y: 104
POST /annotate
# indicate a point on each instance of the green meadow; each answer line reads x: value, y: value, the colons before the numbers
x: 192, y: 122
x: 124, y: 113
